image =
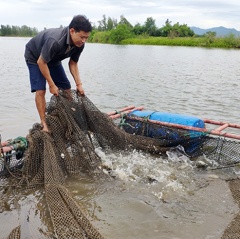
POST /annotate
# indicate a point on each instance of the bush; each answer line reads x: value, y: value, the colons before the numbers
x: 120, y: 33
x: 100, y: 37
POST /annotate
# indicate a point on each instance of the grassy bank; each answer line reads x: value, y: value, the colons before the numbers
x: 221, y: 42
x: 229, y: 41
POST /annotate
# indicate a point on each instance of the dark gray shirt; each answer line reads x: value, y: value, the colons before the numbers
x: 53, y: 45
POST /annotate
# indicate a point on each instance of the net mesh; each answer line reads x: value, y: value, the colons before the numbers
x: 76, y: 126
x: 222, y: 151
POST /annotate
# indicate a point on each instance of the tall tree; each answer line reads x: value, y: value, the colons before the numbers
x: 124, y: 21
x: 166, y: 28
x: 150, y: 26
x: 111, y: 24
x: 138, y: 29
x: 102, y: 24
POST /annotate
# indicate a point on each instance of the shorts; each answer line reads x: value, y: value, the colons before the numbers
x: 38, y: 82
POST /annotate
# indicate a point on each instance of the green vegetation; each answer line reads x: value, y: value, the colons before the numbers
x: 122, y: 32
x: 23, y: 31
x: 224, y: 42
x: 110, y: 31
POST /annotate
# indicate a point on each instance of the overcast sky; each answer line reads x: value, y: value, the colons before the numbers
x: 53, y: 13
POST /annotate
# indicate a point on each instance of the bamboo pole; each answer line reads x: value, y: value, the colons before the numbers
x: 121, y: 110
x: 115, y: 116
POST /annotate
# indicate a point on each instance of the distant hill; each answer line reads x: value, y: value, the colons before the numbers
x: 220, y: 31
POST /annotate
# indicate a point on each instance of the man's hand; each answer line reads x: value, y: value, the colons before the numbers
x: 54, y: 90
x: 80, y: 89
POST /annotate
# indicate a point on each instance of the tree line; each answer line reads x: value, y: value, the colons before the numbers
x: 109, y: 30
x: 23, y: 31
x: 149, y: 27
x: 114, y: 28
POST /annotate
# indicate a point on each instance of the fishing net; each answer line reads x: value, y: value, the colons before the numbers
x: 76, y: 128
x: 218, y: 150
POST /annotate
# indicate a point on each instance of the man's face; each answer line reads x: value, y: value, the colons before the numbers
x: 78, y: 38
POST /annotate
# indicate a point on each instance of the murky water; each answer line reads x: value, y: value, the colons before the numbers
x: 152, y: 196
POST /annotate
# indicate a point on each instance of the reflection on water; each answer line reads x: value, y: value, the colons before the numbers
x: 26, y: 209
x: 151, y: 196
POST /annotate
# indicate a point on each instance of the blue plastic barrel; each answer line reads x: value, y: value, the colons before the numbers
x: 170, y: 118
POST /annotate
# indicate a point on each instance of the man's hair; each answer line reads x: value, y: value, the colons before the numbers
x: 80, y: 23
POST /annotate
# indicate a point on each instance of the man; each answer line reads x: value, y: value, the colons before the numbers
x: 44, y: 54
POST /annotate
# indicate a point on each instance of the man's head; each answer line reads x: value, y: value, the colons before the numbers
x: 80, y: 29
